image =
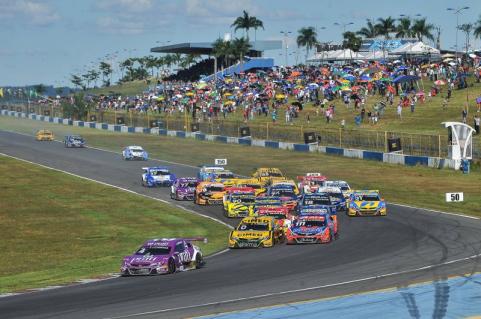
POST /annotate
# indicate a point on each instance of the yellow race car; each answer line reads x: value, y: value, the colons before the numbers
x: 44, y: 135
x: 266, y: 175
x: 252, y: 183
x: 366, y: 203
x: 239, y: 202
x: 209, y: 193
x: 254, y: 232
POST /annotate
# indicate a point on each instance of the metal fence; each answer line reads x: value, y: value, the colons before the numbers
x: 412, y: 144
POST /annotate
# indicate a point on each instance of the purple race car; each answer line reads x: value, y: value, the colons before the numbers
x: 184, y: 188
x: 163, y: 256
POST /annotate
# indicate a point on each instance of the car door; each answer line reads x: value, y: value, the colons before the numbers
x: 181, y: 253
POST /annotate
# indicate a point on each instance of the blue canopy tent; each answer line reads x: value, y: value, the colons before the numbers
x: 405, y: 78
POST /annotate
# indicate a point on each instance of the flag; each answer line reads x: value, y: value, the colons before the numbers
x: 1, y: 92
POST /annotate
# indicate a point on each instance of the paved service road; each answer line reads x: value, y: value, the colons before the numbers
x: 409, y: 245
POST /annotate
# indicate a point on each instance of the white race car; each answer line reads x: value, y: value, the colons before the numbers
x: 134, y: 153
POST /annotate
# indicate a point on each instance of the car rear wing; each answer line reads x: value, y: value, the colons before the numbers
x: 202, y: 239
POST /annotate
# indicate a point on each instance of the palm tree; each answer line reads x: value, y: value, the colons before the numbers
x: 369, y: 31
x: 150, y: 63
x: 307, y: 37
x: 404, y: 28
x: 467, y: 28
x: 106, y: 70
x: 221, y: 49
x: 422, y: 30
x: 385, y: 27
x: 351, y: 41
x: 247, y: 22
x: 256, y: 25
x: 477, y: 28
x: 240, y: 46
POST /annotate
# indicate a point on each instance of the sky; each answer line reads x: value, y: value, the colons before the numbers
x: 45, y: 41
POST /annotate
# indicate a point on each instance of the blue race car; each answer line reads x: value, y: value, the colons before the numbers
x: 317, y: 201
x: 157, y: 176
x: 208, y: 172
x: 74, y: 141
x: 134, y: 153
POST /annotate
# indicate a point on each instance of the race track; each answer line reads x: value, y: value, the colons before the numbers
x: 408, y: 245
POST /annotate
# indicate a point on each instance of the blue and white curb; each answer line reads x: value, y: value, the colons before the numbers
x: 392, y: 158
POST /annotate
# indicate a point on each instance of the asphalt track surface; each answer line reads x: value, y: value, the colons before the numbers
x: 409, y: 245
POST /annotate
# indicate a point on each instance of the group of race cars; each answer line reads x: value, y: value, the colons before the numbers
x: 272, y: 209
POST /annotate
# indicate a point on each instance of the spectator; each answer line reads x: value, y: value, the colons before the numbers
x: 476, y: 123
x: 465, y: 115
x: 399, y: 110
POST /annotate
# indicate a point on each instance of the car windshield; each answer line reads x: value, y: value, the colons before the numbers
x: 344, y: 188
x: 367, y: 197
x: 336, y: 196
x: 254, y: 186
x: 316, y: 200
x: 243, y: 199
x: 282, y: 192
x: 136, y: 150
x: 214, y: 189
x: 271, y: 174
x: 310, y: 223
x: 276, y: 215
x: 225, y: 175
x: 77, y: 138
x: 251, y: 226
x: 158, y: 173
x: 147, y: 251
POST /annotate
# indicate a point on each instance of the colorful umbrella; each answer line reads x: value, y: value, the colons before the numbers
x: 439, y: 82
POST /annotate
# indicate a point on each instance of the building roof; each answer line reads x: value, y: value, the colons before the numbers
x: 205, y: 48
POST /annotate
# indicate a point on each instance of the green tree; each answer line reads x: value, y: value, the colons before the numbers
x: 106, y: 71
x: 422, y: 30
x: 78, y: 109
x: 222, y: 49
x: 351, y: 41
x: 247, y: 22
x: 77, y: 81
x: 150, y: 63
x: 39, y: 89
x: 466, y: 28
x: 257, y: 24
x: 240, y: 47
x: 127, y: 64
x: 307, y: 37
x: 477, y: 28
x: 369, y: 31
x: 404, y: 28
x: 385, y: 27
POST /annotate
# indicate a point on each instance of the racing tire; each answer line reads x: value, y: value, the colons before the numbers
x: 199, y: 261
x: 171, y: 266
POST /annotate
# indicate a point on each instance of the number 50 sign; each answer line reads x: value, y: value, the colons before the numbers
x: 454, y: 197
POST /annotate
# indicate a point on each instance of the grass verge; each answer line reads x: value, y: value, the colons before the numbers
x: 419, y: 186
x: 57, y: 228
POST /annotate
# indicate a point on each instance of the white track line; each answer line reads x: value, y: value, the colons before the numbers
x: 122, y: 189
x: 299, y: 290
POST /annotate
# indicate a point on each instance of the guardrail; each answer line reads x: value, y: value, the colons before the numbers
x: 412, y: 143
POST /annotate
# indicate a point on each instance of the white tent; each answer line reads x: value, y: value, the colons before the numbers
x: 417, y: 48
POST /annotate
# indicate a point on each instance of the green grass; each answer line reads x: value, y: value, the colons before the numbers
x: 426, y: 119
x: 57, y: 228
x: 124, y: 89
x: 419, y: 186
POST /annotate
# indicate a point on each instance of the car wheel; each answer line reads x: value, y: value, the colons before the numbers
x: 171, y: 266
x: 199, y: 261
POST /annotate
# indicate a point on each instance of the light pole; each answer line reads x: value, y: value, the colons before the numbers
x: 457, y: 11
x: 343, y: 25
x: 286, y: 35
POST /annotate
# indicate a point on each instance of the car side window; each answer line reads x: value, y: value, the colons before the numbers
x: 179, y: 247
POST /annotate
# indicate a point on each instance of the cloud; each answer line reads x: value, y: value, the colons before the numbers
x: 133, y: 17
x: 125, y: 5
x: 217, y: 12
x: 26, y: 12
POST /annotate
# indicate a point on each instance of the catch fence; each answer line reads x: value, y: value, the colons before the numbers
x: 371, y: 140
